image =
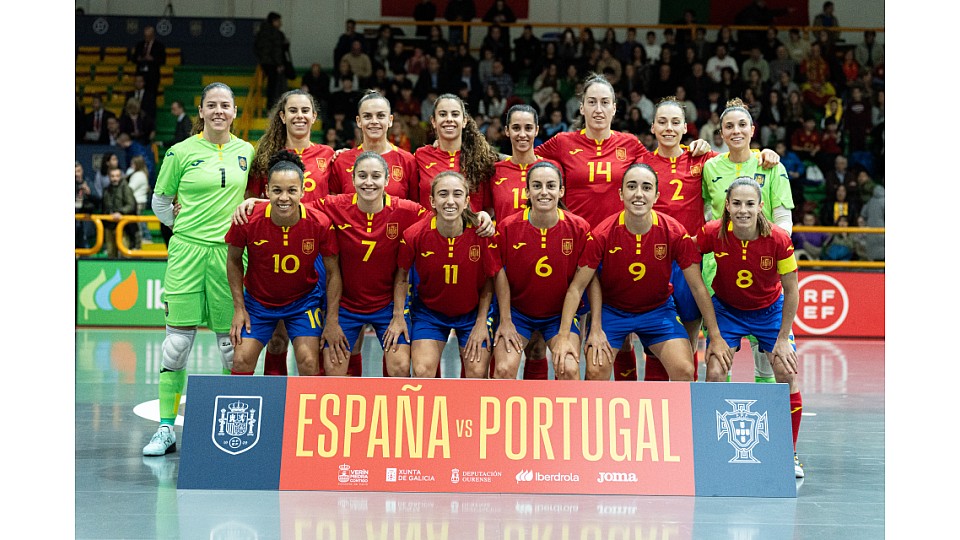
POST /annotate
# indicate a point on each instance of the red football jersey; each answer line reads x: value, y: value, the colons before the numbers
x: 635, y: 269
x: 280, y: 260
x: 401, y: 173
x: 680, y: 182
x: 540, y: 263
x: 593, y: 170
x: 506, y: 191
x: 431, y: 162
x: 316, y: 174
x: 452, y: 271
x: 748, y: 272
x: 369, y: 245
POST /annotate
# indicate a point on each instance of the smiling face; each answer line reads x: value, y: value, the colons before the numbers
x: 369, y: 179
x: 298, y: 115
x: 544, y: 189
x: 743, y: 204
x: 669, y: 125
x: 448, y: 119
x: 374, y: 118
x: 449, y: 197
x: 639, y: 191
x: 285, y: 189
x: 522, y: 130
x: 737, y: 129
x: 218, y: 110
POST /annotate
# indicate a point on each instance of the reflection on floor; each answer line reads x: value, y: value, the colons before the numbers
x: 120, y: 494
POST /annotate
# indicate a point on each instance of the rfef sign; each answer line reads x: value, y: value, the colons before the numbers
x: 484, y: 436
x: 841, y: 304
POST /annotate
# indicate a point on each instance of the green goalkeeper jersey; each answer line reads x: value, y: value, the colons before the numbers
x: 719, y: 172
x: 208, y: 181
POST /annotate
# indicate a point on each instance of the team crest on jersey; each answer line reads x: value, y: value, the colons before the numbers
x: 393, y: 230
x: 695, y: 170
x: 766, y: 263
x: 396, y: 172
x: 660, y: 251
x: 308, y: 246
x: 322, y: 164
x: 242, y: 160
x: 474, y: 253
x: 760, y: 178
x: 566, y: 246
x: 621, y: 153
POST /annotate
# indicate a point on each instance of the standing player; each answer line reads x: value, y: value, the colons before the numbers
x: 737, y: 128
x: 539, y: 249
x: 283, y: 241
x: 507, y: 194
x: 206, y: 174
x: 456, y: 268
x: 680, y: 180
x: 634, y: 252
x: 755, y: 289
x: 291, y: 123
x: 375, y: 119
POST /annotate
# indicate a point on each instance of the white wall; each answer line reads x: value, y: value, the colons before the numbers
x: 314, y: 25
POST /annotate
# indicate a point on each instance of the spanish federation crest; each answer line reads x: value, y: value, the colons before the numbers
x: 322, y: 164
x: 474, y: 253
x: 766, y: 262
x: 393, y: 230
x: 743, y: 429
x: 660, y: 251
x: 396, y: 173
x: 566, y: 246
x: 621, y: 153
x: 308, y: 246
x: 236, y: 423
x: 242, y: 161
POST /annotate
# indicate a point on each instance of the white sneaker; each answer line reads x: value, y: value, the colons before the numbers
x: 797, y: 466
x: 163, y: 442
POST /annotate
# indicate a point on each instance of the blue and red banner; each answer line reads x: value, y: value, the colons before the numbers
x: 483, y: 436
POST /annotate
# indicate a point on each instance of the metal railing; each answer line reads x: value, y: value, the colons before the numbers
x: 98, y: 219
x: 818, y: 263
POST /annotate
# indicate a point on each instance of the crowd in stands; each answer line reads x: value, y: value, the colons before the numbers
x: 819, y: 99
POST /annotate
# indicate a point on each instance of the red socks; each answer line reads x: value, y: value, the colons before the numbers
x: 235, y: 372
x: 625, y: 366
x: 535, y: 369
x: 796, y: 410
x: 275, y: 363
x: 355, y: 367
x: 653, y: 369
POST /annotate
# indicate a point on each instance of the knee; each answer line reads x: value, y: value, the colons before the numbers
x: 176, y: 348
x: 226, y: 350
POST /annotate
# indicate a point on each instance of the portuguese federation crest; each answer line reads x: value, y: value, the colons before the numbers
x: 743, y: 429
x: 236, y: 423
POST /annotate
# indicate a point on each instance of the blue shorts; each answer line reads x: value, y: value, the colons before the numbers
x: 352, y: 323
x: 687, y: 307
x: 548, y: 327
x: 303, y: 317
x: 652, y: 327
x: 430, y: 324
x: 735, y: 324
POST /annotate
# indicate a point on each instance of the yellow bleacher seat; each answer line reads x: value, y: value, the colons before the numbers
x: 233, y: 81
x: 86, y: 58
x: 89, y: 49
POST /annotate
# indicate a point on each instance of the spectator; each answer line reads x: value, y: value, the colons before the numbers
x: 770, y: 44
x: 608, y: 60
x: 149, y: 55
x: 101, y: 178
x: 873, y: 214
x: 270, y: 47
x: 806, y: 141
x: 700, y: 44
x: 85, y: 203
x: 782, y: 62
x: 492, y: 104
x: 797, y: 45
x: 500, y: 77
x: 665, y: 84
x: 785, y: 84
x: 133, y: 149
x: 113, y: 130
x: 95, y: 122
x: 869, y: 53
x: 725, y: 38
x: 429, y: 79
x: 772, y: 120
x: 811, y: 243
x: 635, y: 123
x: 729, y: 86
x: 796, y: 172
x: 316, y: 82
x: 344, y: 101
x: 436, y: 39
x: 814, y: 67
x: 527, y: 51
x: 344, y: 71
x: 383, y: 44
x: 830, y: 145
x: 625, y: 50
x: 795, y: 113
x: 816, y: 95
x: 721, y: 59
x: 827, y: 19
x: 146, y: 96
x: 345, y: 41
x: 651, y: 47
x: 842, y: 245
x: 460, y: 11
x: 857, y: 121
x: 758, y: 62
x: 139, y: 181
x: 118, y: 201
x: 359, y: 60
x: 494, y: 42
x: 840, y: 175
x: 425, y: 11
x: 837, y: 203
x: 757, y: 13
x: 135, y: 123
x: 183, y: 126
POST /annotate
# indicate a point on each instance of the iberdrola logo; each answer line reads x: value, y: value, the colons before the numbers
x: 115, y: 293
